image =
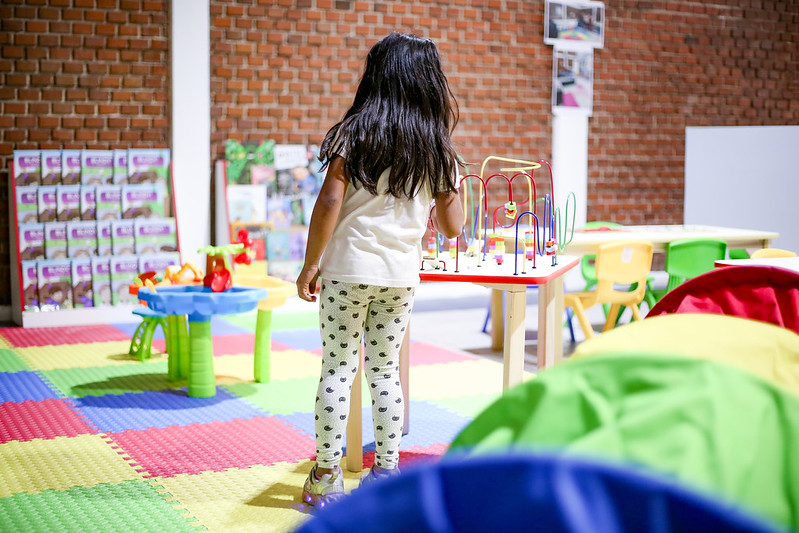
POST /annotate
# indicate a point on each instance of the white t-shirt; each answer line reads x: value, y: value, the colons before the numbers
x: 377, y: 240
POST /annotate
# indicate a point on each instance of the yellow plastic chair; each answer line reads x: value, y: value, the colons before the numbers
x: 622, y: 262
x: 772, y: 252
x: 587, y: 261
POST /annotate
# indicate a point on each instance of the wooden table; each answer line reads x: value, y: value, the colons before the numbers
x: 790, y: 263
x: 588, y: 241
x: 502, y: 280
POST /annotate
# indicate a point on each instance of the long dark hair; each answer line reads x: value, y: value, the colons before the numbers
x: 402, y: 117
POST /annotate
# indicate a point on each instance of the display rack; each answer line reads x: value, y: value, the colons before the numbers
x: 119, y: 313
x: 262, y: 207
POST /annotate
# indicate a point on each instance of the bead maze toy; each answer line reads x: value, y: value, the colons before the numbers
x: 547, y: 232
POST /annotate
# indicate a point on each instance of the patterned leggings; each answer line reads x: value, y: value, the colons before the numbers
x: 348, y: 311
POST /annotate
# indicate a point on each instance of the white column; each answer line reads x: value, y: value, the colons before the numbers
x: 191, y: 124
x: 570, y: 161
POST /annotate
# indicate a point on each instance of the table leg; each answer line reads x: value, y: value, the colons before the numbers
x: 184, y: 350
x: 550, y: 320
x: 172, y: 348
x: 263, y: 346
x: 404, y: 366
x: 496, y: 306
x: 354, y: 460
x: 178, y: 354
x: 513, y: 355
x: 202, y: 382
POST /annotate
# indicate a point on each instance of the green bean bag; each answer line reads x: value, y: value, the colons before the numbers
x: 710, y: 426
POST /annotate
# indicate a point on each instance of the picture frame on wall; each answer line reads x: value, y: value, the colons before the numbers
x: 574, y: 24
x: 572, y: 81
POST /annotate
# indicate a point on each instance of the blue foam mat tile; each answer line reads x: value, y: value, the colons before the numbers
x: 302, y: 422
x: 129, y: 328
x: 114, y: 413
x: 299, y: 339
x: 219, y: 326
x: 23, y: 386
x: 430, y: 424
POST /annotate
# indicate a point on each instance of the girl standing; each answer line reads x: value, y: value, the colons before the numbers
x: 389, y: 159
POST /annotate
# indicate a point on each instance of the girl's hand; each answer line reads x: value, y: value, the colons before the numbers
x: 307, y: 282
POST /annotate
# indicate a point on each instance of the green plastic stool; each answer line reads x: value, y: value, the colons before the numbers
x: 142, y: 341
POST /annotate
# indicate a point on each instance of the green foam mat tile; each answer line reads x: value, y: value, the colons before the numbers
x: 244, y: 320
x: 469, y: 406
x: 295, y: 320
x: 129, y: 506
x: 10, y: 362
x: 279, y: 397
x: 100, y: 380
x: 280, y: 320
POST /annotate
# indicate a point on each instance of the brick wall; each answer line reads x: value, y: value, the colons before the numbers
x: 287, y: 70
x: 80, y: 74
x: 667, y: 66
x: 93, y: 73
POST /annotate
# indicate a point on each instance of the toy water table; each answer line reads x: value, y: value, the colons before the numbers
x: 200, y: 303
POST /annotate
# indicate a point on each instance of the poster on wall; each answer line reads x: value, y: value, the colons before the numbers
x: 574, y: 24
x: 572, y: 81
x: 274, y: 184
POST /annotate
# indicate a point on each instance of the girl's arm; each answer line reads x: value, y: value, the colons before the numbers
x: 447, y: 214
x: 323, y: 222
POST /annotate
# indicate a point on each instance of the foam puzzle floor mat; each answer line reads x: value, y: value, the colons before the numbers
x: 92, y: 439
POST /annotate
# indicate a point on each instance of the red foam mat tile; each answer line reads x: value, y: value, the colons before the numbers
x: 423, y: 353
x: 45, y: 419
x: 216, y: 446
x: 412, y: 456
x: 25, y: 337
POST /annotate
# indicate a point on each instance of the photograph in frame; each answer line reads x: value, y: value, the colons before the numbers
x: 572, y: 80
x: 574, y: 24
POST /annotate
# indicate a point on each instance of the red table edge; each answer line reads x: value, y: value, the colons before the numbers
x: 525, y: 279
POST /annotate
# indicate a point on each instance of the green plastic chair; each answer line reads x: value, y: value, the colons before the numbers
x: 687, y: 259
x: 738, y: 253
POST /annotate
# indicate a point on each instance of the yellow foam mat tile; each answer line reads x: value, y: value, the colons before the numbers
x: 285, y: 364
x: 445, y: 380
x: 82, y: 355
x: 295, y: 364
x: 230, y: 369
x: 259, y: 498
x: 61, y: 463
x: 4, y: 343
